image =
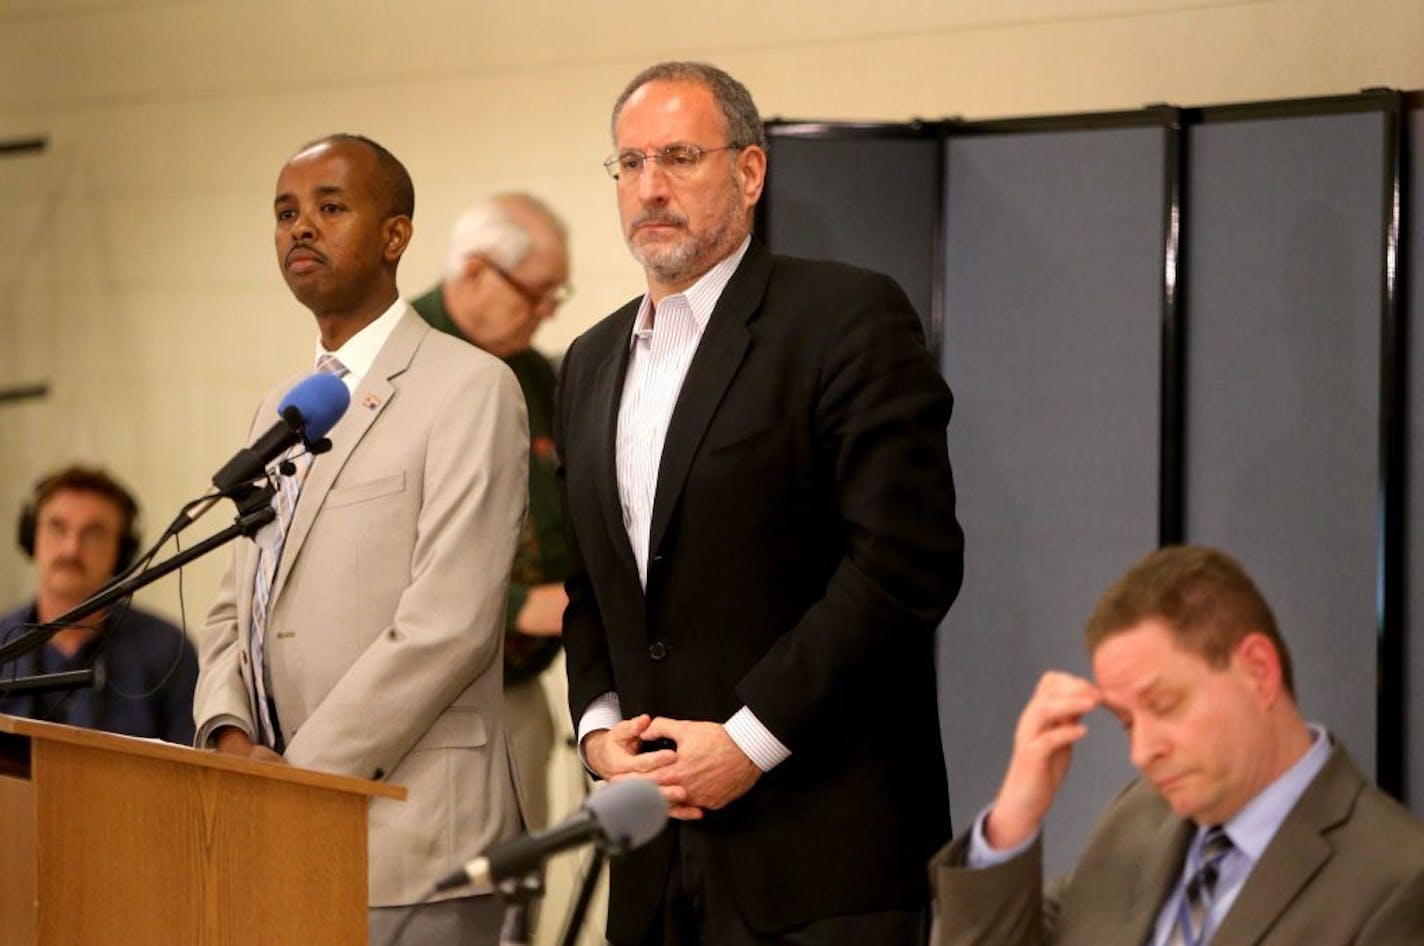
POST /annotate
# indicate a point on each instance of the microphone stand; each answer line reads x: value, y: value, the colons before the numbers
x: 573, y: 923
x: 588, y: 884
x: 255, y: 510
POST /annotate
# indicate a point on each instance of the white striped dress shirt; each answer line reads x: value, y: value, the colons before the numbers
x: 663, y: 342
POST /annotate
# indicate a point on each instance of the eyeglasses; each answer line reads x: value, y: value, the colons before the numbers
x: 556, y: 296
x: 678, y: 161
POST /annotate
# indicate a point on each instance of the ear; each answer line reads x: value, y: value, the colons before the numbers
x: 1257, y: 659
x: 396, y: 234
x: 751, y: 173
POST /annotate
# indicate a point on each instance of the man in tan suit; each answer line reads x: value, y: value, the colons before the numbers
x: 361, y: 633
x: 1248, y: 826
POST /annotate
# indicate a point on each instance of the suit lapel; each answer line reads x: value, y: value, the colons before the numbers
x: 369, y: 399
x: 1297, y: 852
x: 1110, y: 909
x: 607, y: 395
x: 719, y: 354
x: 1157, y: 879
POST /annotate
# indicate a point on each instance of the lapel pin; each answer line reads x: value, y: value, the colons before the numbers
x: 371, y: 402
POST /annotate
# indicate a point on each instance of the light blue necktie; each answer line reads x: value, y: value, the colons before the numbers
x: 270, y: 539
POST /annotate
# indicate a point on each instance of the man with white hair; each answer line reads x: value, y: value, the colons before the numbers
x: 507, y: 272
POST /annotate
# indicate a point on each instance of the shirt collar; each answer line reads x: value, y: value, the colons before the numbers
x: 1253, y: 827
x: 701, y: 297
x: 359, y: 352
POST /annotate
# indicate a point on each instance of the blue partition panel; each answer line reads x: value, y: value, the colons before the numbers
x: 1053, y: 272
x: 1284, y: 263
x: 858, y: 198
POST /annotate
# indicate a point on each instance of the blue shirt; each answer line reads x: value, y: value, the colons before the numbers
x: 145, y: 670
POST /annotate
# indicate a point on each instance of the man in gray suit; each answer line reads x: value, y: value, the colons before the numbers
x: 1248, y: 825
x: 361, y: 633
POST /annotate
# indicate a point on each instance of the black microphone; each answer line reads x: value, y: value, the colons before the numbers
x: 621, y: 816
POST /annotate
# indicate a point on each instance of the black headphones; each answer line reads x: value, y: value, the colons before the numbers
x: 84, y: 480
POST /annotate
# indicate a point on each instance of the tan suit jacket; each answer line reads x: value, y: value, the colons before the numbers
x: 387, y: 619
x: 1346, y: 867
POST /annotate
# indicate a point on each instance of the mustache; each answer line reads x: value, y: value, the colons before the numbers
x: 658, y: 215
x: 304, y: 248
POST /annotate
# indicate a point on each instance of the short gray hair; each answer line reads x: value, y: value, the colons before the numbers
x: 743, y: 120
x: 489, y: 229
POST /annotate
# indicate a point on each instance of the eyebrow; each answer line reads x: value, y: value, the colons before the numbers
x: 324, y: 190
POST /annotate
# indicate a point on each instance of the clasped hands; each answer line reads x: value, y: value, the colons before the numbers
x: 706, y: 771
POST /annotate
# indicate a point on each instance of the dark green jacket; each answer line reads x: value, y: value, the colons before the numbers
x: 542, y: 555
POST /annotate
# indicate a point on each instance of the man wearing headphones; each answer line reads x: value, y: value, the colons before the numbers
x: 80, y: 528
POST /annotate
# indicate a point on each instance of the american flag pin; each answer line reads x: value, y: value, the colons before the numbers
x: 371, y: 402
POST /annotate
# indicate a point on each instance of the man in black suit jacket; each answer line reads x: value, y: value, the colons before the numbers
x: 764, y: 540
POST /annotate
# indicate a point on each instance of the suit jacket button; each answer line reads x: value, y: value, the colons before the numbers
x: 377, y: 775
x: 658, y: 650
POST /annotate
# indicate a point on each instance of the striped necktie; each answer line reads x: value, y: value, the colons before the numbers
x: 1194, y: 906
x: 270, y: 539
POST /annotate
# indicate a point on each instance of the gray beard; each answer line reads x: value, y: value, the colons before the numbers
x: 679, y: 263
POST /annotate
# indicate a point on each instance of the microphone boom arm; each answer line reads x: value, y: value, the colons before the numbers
x: 253, y: 513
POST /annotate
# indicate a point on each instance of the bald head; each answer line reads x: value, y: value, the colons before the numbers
x: 391, y: 181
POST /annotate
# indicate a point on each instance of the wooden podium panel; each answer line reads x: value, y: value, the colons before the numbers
x: 113, y: 840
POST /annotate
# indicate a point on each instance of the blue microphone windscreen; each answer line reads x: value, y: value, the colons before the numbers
x: 321, y: 398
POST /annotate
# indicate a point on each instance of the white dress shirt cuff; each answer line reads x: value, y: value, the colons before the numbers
x: 764, y: 749
x: 605, y: 712
x: 982, y: 855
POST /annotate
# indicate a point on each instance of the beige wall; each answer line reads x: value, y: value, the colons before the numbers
x: 136, y: 274
x: 135, y: 266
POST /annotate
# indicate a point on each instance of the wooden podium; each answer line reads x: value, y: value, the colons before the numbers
x: 108, y: 840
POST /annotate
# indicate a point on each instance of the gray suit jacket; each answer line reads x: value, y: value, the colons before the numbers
x: 1346, y: 866
x: 387, y: 617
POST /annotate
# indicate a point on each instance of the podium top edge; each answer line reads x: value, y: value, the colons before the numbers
x: 201, y: 758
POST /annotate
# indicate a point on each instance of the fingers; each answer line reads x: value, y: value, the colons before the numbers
x: 664, y: 728
x: 615, y: 750
x: 1055, y: 683
x: 615, y: 760
x: 684, y: 813
x: 630, y: 729
x: 650, y: 761
x: 1061, y: 737
x: 1060, y: 699
x: 1051, y: 713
